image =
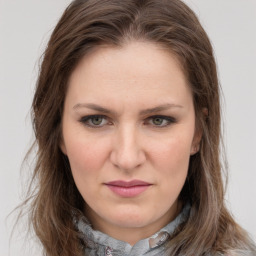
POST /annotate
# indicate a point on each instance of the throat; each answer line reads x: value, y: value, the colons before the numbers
x: 130, y: 230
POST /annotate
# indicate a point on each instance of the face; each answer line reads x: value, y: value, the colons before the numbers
x: 129, y: 131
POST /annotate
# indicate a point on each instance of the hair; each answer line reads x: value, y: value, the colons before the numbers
x: 84, y: 26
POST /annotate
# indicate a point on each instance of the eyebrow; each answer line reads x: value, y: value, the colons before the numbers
x: 159, y: 108
x: 93, y: 107
x: 142, y: 112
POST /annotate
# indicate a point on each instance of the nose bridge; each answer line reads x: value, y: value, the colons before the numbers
x: 127, y: 151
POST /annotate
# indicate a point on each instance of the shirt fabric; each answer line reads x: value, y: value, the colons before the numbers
x: 100, y: 244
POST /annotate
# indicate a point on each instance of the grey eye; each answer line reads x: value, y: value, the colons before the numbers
x: 97, y: 120
x: 94, y: 121
x: 158, y: 121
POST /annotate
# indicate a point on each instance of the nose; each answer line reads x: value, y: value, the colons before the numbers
x: 127, y: 152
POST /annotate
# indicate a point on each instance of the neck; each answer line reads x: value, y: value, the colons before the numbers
x: 132, y: 233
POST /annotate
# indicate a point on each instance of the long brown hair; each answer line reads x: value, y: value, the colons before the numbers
x: 85, y: 25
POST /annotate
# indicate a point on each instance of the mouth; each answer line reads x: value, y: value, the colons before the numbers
x: 128, y: 188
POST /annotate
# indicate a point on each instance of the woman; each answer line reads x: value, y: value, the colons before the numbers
x: 127, y: 123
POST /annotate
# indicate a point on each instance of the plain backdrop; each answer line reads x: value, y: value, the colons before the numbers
x: 25, y: 26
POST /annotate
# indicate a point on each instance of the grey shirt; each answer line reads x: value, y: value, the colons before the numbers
x: 98, y: 243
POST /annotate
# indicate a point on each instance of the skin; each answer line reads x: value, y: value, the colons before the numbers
x: 133, y: 84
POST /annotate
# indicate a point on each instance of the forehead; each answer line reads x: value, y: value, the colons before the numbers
x: 139, y: 70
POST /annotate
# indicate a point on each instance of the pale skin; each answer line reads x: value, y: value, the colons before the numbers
x: 129, y: 114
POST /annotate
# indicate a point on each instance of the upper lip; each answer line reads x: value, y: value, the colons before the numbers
x: 127, y: 184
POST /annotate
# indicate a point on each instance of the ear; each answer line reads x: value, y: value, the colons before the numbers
x: 63, y: 146
x: 195, y: 146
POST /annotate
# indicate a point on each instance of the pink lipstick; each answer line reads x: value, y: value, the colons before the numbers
x: 128, y: 188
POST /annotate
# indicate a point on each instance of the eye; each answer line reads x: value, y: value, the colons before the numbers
x: 160, y: 121
x: 94, y: 121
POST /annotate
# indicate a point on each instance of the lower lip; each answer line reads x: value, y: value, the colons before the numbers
x: 128, y: 191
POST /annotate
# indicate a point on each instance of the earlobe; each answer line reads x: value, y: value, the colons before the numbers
x: 63, y: 147
x: 194, y: 149
x: 198, y: 134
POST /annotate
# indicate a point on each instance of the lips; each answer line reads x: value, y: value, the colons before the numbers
x: 128, y: 188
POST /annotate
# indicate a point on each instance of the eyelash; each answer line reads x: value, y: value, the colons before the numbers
x: 87, y: 119
x: 169, y: 120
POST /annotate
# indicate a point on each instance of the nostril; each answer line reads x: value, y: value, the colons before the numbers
x: 127, y: 150
x: 127, y: 160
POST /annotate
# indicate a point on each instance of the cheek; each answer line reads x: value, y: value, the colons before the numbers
x: 171, y: 161
x: 173, y: 152
x: 86, y: 155
x: 87, y: 158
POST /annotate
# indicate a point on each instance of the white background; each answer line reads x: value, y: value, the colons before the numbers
x: 25, y: 26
